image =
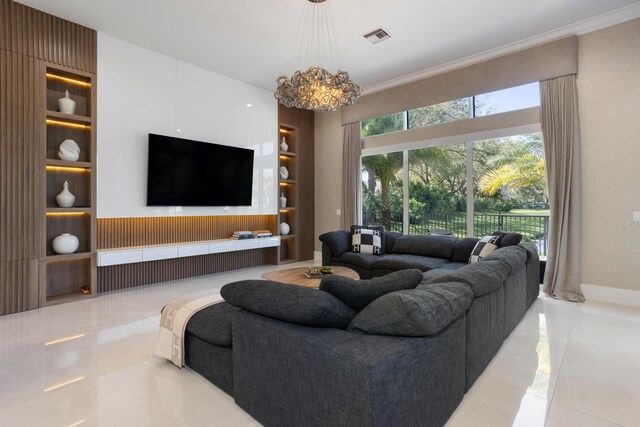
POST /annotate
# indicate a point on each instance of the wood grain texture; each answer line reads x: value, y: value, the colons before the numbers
x: 123, y: 232
x: 42, y: 36
x: 303, y: 121
x: 16, y: 290
x: 131, y: 275
x: 21, y: 189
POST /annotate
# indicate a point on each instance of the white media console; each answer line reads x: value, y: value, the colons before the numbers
x: 130, y: 255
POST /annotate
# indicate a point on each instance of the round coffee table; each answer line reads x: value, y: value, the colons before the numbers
x: 295, y: 276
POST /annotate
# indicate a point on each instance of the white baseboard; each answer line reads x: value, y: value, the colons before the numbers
x: 614, y: 295
x: 317, y: 256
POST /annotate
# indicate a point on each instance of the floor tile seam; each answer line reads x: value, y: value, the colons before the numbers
x: 582, y: 412
x: 555, y: 384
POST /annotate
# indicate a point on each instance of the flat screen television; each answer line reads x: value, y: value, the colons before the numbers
x: 183, y: 172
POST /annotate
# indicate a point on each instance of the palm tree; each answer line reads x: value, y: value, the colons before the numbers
x: 518, y: 166
x: 384, y: 167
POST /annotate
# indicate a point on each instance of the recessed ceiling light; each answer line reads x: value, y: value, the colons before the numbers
x: 249, y: 105
x: 178, y: 130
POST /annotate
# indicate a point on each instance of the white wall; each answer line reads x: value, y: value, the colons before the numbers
x: 142, y: 92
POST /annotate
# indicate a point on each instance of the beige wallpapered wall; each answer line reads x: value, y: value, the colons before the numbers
x: 328, y: 173
x: 609, y: 97
x: 609, y: 102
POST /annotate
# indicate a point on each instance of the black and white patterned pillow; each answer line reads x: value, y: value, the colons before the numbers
x: 484, y: 247
x: 367, y: 240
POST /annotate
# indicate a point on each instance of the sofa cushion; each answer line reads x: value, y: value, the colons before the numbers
x: 462, y: 250
x: 357, y: 294
x: 368, y: 239
x: 338, y: 241
x: 361, y: 260
x: 482, y: 277
x: 453, y: 266
x: 507, y: 239
x: 291, y: 303
x: 390, y: 238
x: 213, y: 324
x: 416, y: 312
x: 431, y: 246
x: 401, y: 262
x: 483, y: 248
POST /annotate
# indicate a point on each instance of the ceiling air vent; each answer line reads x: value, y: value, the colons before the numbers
x: 376, y: 36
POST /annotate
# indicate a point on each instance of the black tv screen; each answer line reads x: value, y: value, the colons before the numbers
x: 183, y: 172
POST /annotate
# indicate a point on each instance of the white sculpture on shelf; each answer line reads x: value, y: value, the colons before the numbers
x: 65, y: 243
x: 283, y: 145
x: 284, y: 228
x: 65, y: 199
x: 69, y: 150
x: 283, y: 201
x: 66, y: 105
x: 284, y: 172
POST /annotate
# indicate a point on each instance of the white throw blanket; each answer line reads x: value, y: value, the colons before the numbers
x: 173, y: 323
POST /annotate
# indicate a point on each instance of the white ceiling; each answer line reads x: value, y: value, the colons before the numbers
x: 251, y: 40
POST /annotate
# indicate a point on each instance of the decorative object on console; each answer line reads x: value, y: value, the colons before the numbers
x: 66, y: 104
x: 86, y: 290
x: 69, y: 150
x: 284, y: 172
x: 316, y: 88
x: 65, y: 243
x: 484, y: 247
x: 283, y: 145
x: 283, y: 201
x: 284, y: 228
x: 65, y: 199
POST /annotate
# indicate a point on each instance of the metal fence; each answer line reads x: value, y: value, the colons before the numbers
x: 534, y: 228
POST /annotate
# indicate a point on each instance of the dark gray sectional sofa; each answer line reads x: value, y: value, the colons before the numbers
x: 294, y: 356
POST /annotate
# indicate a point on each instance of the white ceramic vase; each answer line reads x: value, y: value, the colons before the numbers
x: 283, y: 201
x: 283, y: 145
x: 284, y: 228
x: 69, y: 150
x: 65, y: 244
x: 66, y: 105
x: 65, y: 199
x: 284, y: 172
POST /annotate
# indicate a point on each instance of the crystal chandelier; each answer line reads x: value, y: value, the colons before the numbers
x: 316, y: 88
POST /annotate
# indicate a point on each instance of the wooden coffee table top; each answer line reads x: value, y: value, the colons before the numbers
x: 295, y: 276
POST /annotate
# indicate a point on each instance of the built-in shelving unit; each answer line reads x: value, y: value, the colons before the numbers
x: 68, y: 277
x: 289, y: 187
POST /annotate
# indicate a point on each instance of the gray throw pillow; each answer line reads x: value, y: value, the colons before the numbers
x: 357, y: 294
x: 507, y: 239
x: 291, y: 303
x: 416, y: 312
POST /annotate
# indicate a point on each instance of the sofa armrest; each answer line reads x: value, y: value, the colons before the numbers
x: 337, y: 241
x: 533, y: 272
x: 292, y: 375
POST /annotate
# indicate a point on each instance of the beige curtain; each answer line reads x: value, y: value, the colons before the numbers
x: 351, y: 152
x: 559, y: 117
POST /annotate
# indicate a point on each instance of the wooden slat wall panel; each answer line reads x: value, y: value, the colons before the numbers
x: 123, y: 232
x: 39, y: 35
x: 21, y: 192
x: 131, y: 275
x: 303, y: 120
x: 15, y: 293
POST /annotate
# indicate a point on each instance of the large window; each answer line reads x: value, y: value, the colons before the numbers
x: 429, y: 190
x: 511, y: 99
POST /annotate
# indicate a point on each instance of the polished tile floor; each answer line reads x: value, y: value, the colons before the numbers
x: 90, y: 363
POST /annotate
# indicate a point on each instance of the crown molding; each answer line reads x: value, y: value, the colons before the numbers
x: 582, y: 27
